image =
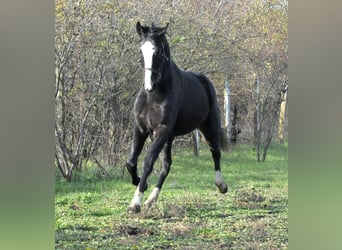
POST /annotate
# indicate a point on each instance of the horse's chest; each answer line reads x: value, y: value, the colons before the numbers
x: 152, y: 115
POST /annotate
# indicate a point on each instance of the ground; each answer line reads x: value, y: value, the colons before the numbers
x: 190, y: 213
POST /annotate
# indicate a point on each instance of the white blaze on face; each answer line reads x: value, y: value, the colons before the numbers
x: 147, y: 50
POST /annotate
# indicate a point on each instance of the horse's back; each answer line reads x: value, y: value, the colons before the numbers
x: 199, y: 89
x: 195, y: 103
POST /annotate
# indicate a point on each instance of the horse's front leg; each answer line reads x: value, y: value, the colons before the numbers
x: 139, y: 139
x: 159, y: 139
x: 165, y: 168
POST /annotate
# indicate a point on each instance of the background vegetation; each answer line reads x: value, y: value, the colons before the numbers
x: 98, y: 71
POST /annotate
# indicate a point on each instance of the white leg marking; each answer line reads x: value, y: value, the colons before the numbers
x: 218, y: 178
x: 147, y: 50
x: 220, y: 183
x: 153, y: 197
x: 137, y: 198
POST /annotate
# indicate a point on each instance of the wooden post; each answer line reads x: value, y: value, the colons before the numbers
x: 227, y: 108
x: 281, y: 118
x: 195, y: 140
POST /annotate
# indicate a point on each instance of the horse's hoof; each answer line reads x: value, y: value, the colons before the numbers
x: 223, y: 188
x: 133, y: 209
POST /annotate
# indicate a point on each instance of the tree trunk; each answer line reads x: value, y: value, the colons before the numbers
x: 269, y: 135
x: 257, y: 120
x: 271, y: 124
x: 234, y: 131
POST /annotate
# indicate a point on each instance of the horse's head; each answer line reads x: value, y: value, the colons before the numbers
x: 155, y: 51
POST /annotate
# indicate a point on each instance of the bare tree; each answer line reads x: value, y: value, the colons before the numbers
x: 98, y: 71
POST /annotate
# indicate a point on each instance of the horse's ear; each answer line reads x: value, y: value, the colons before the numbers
x: 141, y: 30
x: 162, y: 30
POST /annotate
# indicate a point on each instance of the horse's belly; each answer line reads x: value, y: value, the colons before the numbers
x: 188, y: 122
x: 182, y: 130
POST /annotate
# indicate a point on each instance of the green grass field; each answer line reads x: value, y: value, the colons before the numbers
x: 190, y: 213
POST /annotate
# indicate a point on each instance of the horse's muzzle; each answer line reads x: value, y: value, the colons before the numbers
x: 150, y: 89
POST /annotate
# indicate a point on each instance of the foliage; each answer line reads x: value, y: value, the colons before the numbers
x: 98, y: 70
x: 190, y: 213
x: 266, y: 53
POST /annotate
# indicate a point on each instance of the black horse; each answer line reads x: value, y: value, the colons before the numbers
x: 171, y: 102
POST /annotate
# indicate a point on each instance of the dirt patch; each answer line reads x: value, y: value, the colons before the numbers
x: 134, y: 229
x: 168, y: 212
x: 248, y: 199
x: 177, y: 229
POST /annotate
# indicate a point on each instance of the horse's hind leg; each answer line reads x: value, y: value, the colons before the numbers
x: 212, y: 136
x: 165, y: 168
x: 219, y: 181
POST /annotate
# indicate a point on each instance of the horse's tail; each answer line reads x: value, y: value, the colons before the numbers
x: 223, y: 141
x: 214, y: 106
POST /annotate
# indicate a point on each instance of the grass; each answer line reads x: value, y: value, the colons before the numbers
x: 190, y: 212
